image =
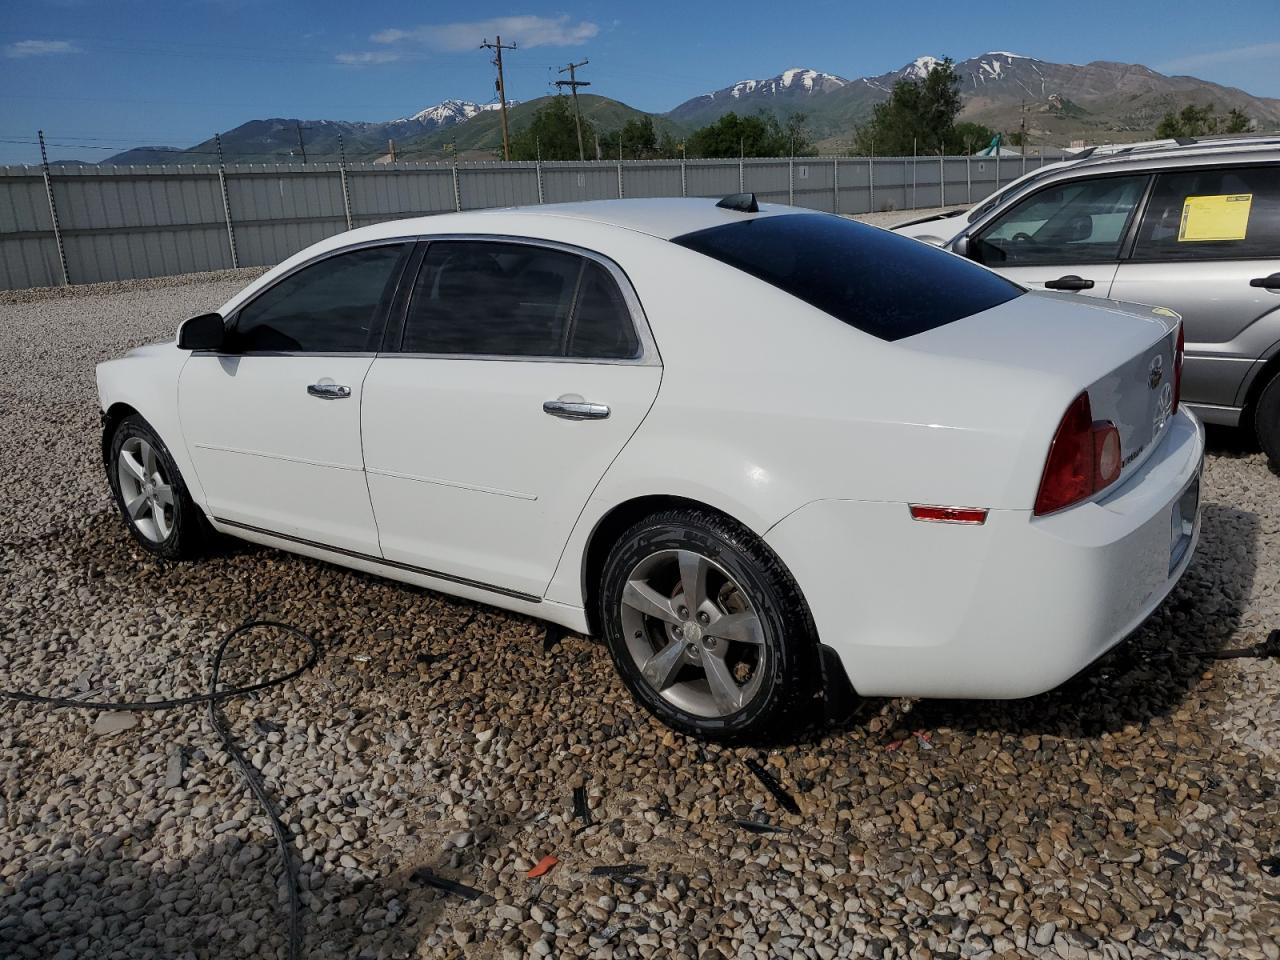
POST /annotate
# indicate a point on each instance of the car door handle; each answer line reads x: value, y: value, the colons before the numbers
x: 575, y: 409
x: 329, y: 391
x: 1069, y: 282
x: 1267, y: 283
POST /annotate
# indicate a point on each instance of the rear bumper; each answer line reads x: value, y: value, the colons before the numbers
x: 1007, y: 609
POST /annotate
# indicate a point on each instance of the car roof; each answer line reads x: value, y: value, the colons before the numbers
x: 662, y: 217
x: 1166, y: 154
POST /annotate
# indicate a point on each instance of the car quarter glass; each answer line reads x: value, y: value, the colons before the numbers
x: 880, y: 283
x: 486, y: 298
x: 330, y: 306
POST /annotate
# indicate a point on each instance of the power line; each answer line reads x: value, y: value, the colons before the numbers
x: 498, y: 46
x: 573, y: 83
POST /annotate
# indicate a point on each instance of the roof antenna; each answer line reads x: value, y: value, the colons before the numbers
x: 742, y: 202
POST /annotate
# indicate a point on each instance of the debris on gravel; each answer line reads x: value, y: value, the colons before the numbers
x: 440, y: 746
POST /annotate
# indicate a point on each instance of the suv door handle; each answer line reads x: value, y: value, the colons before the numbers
x: 329, y: 391
x: 1268, y: 283
x: 1069, y: 282
x: 573, y: 407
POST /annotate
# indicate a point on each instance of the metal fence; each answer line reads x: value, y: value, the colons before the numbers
x: 89, y: 224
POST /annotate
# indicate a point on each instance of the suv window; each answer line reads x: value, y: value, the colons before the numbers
x: 882, y: 283
x: 333, y: 306
x: 482, y: 298
x: 1079, y: 221
x: 1212, y: 214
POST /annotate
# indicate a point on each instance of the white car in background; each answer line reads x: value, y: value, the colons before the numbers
x: 757, y: 450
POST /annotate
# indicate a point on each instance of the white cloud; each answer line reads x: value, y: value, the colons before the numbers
x: 1256, y: 51
x: 39, y: 48
x: 526, y: 31
x: 366, y: 58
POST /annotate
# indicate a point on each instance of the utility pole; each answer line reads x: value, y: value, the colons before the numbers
x: 498, y: 46
x: 573, y: 83
x: 301, y: 146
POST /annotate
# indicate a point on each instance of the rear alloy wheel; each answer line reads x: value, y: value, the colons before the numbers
x: 706, y: 626
x: 150, y: 493
x: 1266, y: 420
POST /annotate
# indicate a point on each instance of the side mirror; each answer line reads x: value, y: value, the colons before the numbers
x: 960, y: 245
x: 203, y: 332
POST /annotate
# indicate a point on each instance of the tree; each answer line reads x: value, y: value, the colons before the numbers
x: 919, y: 116
x: 1237, y: 121
x: 552, y: 134
x: 637, y: 138
x: 967, y: 137
x: 755, y: 136
x: 1191, y: 121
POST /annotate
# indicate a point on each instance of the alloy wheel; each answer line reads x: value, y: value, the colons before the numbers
x: 145, y: 489
x: 693, y: 633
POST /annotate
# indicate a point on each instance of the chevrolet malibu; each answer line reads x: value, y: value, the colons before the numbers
x: 770, y: 456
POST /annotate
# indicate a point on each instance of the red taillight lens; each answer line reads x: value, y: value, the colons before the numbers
x: 1177, y: 367
x: 1084, y: 458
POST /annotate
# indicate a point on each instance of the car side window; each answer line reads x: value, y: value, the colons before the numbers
x: 1212, y: 215
x: 601, y: 326
x: 332, y: 306
x: 1079, y: 221
x: 484, y: 298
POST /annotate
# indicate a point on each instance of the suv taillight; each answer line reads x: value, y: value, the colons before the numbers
x: 1085, y: 457
x: 1178, y: 353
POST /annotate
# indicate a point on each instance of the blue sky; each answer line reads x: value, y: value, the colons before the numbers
x: 100, y: 76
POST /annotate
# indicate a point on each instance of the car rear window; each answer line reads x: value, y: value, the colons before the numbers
x: 884, y: 284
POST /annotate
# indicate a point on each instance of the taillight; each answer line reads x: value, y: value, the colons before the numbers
x: 1085, y: 457
x: 1177, y: 367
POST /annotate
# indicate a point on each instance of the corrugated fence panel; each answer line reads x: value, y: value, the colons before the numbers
x: 567, y: 182
x: 498, y: 186
x: 125, y: 222
x: 711, y: 178
x: 28, y: 254
x: 278, y: 210
x: 386, y: 193
x: 651, y: 178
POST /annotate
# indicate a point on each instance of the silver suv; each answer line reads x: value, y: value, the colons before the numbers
x: 1193, y: 226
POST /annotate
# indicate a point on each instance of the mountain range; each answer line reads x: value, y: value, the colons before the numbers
x: 1058, y: 102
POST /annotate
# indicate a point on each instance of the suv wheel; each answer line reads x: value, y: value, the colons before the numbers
x: 1266, y: 420
x: 707, y: 628
x: 150, y: 493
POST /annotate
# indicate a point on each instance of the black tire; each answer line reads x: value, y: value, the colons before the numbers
x: 188, y: 533
x: 786, y: 697
x: 1266, y: 420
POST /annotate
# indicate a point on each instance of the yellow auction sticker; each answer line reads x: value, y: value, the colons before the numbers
x: 1221, y: 217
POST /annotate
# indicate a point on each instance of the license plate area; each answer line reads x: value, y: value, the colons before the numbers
x: 1182, y: 523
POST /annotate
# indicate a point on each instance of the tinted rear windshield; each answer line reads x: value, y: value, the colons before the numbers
x: 884, y: 284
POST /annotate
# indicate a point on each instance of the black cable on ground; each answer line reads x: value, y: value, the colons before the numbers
x: 248, y: 772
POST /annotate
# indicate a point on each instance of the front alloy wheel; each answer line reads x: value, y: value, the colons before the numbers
x: 145, y: 490
x: 150, y: 493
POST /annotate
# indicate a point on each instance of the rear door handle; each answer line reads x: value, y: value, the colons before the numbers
x: 573, y: 407
x: 329, y: 391
x: 1069, y: 282
x: 1267, y: 283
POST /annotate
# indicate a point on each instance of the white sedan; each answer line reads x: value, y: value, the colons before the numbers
x: 756, y: 449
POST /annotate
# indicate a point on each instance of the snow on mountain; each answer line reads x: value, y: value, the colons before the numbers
x: 450, y: 111
x: 919, y: 68
x: 797, y: 78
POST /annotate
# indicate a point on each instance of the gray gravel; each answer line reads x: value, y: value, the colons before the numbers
x: 1124, y: 815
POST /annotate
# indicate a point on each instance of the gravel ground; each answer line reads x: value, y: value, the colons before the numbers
x: 1128, y: 814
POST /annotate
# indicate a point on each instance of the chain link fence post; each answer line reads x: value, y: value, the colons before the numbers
x: 835, y: 184
x: 53, y: 213
x: 871, y: 184
x: 538, y: 168
x: 619, y: 177
x: 226, y: 204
